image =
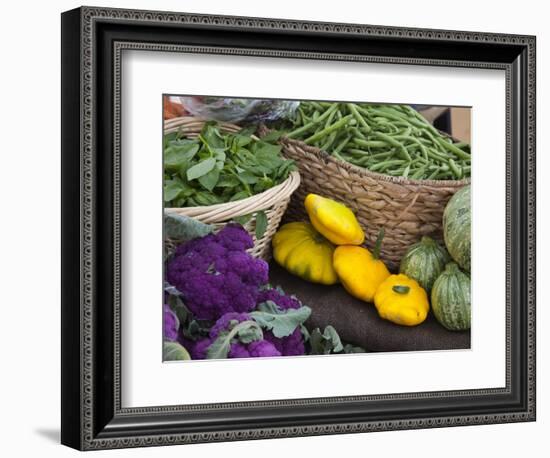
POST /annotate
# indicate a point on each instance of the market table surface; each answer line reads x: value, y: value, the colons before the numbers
x: 358, y: 322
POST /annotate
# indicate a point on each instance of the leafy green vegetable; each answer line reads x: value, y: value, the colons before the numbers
x: 349, y: 348
x: 200, y: 169
x: 261, y: 224
x: 326, y: 343
x: 217, y: 168
x: 173, y: 351
x: 178, y: 307
x: 281, y: 322
x: 245, y: 332
x: 184, y: 228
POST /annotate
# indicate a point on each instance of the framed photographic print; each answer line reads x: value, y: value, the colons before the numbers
x: 278, y: 228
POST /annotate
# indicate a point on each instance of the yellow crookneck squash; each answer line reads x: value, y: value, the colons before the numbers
x: 334, y: 220
x: 402, y: 300
x: 359, y: 270
x: 303, y: 252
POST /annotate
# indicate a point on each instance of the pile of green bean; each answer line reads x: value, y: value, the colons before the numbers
x: 390, y: 139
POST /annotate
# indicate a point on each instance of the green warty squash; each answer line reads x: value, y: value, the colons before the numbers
x: 424, y: 261
x: 457, y: 227
x: 451, y: 298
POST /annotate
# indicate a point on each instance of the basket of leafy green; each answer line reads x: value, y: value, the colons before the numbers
x: 218, y: 173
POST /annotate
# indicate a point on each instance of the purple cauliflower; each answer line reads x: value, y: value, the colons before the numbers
x: 215, y: 274
x: 293, y: 345
x: 171, y: 324
x: 257, y: 348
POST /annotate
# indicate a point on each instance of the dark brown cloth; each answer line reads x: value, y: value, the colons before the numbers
x: 358, y: 322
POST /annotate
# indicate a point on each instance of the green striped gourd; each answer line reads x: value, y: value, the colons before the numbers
x: 451, y: 298
x: 457, y: 227
x: 424, y: 261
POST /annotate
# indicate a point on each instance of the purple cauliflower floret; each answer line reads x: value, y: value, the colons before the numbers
x: 199, y: 348
x: 262, y: 348
x: 258, y: 348
x: 282, y: 300
x: 215, y: 275
x: 235, y: 238
x: 171, y: 324
x: 293, y: 345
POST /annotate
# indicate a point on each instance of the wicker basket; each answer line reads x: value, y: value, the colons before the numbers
x: 273, y: 202
x: 406, y: 209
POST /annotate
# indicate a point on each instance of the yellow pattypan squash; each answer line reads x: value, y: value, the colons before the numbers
x: 334, y: 220
x: 402, y: 300
x: 359, y: 270
x: 302, y: 251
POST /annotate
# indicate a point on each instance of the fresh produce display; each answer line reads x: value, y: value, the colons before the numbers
x: 424, y: 262
x: 219, y: 303
x: 402, y: 300
x: 301, y: 250
x: 457, y: 220
x: 451, y: 298
x: 220, y: 299
x: 334, y: 220
x: 360, y: 271
x: 390, y: 139
x: 218, y: 167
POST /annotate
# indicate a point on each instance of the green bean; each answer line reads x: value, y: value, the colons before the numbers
x: 395, y: 143
x: 328, y: 130
x: 358, y: 152
x: 418, y: 173
x: 341, y: 145
x: 443, y: 175
x: 353, y: 110
x: 462, y: 145
x: 437, y: 156
x: 311, y: 124
x: 382, y: 112
x: 453, y: 149
x: 457, y: 172
x: 432, y: 175
x: 384, y: 155
x: 391, y: 139
x: 337, y: 155
x: 357, y: 132
x: 317, y: 105
x: 383, y: 165
x: 330, y: 118
x: 371, y: 143
x: 329, y: 141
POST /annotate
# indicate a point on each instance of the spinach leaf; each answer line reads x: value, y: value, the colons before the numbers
x: 220, y: 167
x: 200, y: 169
x: 261, y: 224
x: 210, y: 180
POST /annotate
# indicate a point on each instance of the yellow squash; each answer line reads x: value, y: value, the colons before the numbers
x: 359, y: 270
x: 402, y: 300
x: 302, y: 251
x: 334, y: 220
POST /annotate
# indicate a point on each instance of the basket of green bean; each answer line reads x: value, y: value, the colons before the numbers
x: 386, y: 162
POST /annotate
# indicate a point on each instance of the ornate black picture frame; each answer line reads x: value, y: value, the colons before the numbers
x: 92, y: 42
